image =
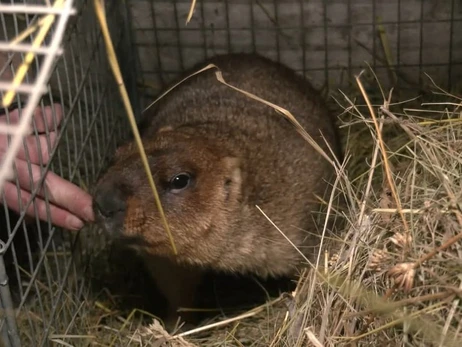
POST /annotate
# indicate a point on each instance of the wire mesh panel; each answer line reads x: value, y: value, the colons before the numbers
x: 328, y: 41
x: 42, y: 288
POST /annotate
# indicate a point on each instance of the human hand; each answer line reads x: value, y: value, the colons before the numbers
x: 69, y: 205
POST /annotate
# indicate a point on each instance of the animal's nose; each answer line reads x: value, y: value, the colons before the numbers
x: 108, y: 200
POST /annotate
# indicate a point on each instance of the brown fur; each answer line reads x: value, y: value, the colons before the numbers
x: 242, y: 154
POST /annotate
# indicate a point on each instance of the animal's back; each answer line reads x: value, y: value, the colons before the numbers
x: 251, y: 73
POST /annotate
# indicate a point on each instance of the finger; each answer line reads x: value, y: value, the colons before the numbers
x: 70, y: 196
x: 44, y: 118
x: 56, y: 216
x: 60, y: 191
x: 37, y: 147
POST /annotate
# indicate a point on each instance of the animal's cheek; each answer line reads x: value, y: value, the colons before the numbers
x: 135, y: 218
x: 181, y: 202
x: 143, y: 221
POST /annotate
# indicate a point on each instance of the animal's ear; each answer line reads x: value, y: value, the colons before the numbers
x: 233, y: 168
x: 233, y: 179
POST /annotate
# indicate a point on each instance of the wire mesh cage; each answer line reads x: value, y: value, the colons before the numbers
x: 69, y: 85
x: 327, y: 41
x: 42, y: 283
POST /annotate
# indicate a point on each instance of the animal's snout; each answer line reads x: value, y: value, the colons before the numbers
x: 109, y: 200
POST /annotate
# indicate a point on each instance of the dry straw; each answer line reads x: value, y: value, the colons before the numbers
x: 99, y: 8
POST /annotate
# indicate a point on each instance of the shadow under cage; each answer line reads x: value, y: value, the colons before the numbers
x: 42, y: 287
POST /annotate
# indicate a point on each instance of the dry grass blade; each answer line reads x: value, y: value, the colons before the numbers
x: 389, y: 174
x: 191, y: 11
x: 386, y: 48
x: 249, y: 314
x: 127, y: 321
x: 99, y: 8
x: 312, y: 338
x: 284, y: 235
x: 208, y: 67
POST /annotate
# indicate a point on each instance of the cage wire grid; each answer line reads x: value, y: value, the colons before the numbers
x: 34, y: 91
x: 327, y: 41
x: 41, y: 282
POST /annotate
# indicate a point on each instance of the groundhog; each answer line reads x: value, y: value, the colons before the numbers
x: 216, y: 155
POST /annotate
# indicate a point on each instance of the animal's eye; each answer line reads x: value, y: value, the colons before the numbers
x: 180, y: 181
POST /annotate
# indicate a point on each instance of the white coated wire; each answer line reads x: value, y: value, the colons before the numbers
x: 35, y: 90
